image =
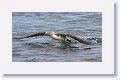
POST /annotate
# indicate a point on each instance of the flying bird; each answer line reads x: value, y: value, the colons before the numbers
x: 57, y: 36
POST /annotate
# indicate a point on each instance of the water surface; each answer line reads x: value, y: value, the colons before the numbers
x: 87, y: 25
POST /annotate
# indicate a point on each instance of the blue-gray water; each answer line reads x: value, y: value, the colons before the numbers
x: 87, y: 25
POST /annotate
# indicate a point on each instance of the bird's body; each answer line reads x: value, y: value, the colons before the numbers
x: 57, y: 36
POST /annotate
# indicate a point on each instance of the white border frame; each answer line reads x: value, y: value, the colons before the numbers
x: 104, y: 67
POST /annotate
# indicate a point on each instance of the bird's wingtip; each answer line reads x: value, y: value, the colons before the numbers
x: 17, y: 38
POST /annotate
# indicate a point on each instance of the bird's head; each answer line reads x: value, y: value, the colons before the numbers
x: 51, y: 33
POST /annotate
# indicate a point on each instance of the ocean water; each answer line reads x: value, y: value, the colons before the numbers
x: 86, y: 25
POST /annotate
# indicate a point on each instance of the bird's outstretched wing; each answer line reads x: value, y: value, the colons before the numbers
x: 76, y: 38
x: 32, y: 35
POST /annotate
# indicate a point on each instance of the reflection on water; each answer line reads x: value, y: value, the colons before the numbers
x: 87, y: 25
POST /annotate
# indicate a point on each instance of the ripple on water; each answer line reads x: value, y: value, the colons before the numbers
x: 43, y: 49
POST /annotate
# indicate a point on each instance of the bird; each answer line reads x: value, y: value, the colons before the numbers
x: 57, y: 36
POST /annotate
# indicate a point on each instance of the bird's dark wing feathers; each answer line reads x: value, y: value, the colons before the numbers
x: 32, y: 35
x: 64, y: 35
x: 76, y: 38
